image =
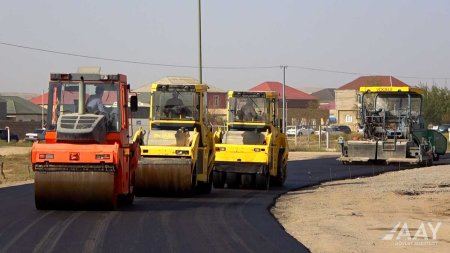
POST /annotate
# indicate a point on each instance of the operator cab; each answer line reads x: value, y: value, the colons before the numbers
x: 177, y: 105
x: 64, y: 98
x: 391, y: 113
x: 251, y: 110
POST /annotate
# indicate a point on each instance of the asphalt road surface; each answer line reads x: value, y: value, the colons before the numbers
x: 223, y: 221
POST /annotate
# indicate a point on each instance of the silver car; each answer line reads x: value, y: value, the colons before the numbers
x: 36, y: 135
x: 299, y: 131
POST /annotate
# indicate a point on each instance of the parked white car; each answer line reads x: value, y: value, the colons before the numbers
x: 37, y: 135
x: 299, y: 131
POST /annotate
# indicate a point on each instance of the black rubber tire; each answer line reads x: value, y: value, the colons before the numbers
x: 427, y: 162
x: 194, y: 184
x: 114, y: 204
x: 262, y: 181
x: 129, y: 199
x: 247, y: 180
x: 218, y: 179
x: 233, y: 180
x: 205, y: 187
x: 280, y: 178
x: 281, y: 172
x: 138, y: 192
x: 126, y: 199
x: 435, y: 157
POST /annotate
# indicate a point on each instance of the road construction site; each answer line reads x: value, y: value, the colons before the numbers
x: 92, y: 164
x: 225, y: 220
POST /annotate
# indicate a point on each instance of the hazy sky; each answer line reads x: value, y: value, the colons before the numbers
x: 402, y: 38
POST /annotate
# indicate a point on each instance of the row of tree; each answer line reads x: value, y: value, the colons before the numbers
x: 436, y: 106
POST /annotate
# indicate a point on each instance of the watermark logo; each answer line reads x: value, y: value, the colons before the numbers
x: 426, y: 234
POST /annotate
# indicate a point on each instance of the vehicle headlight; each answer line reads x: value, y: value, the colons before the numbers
x: 182, y: 152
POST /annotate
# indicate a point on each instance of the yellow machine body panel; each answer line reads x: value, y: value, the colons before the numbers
x: 252, y: 149
x: 242, y: 153
x: 178, y: 151
x: 382, y: 89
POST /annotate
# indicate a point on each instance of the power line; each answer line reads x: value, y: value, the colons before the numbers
x: 366, y: 74
x: 130, y: 61
x: 205, y: 67
x: 328, y: 70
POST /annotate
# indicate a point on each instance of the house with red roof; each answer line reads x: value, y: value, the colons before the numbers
x: 109, y: 97
x: 302, y: 108
x: 41, y: 100
x: 346, y: 97
x: 294, y: 98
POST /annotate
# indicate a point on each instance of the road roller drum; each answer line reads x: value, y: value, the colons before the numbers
x: 75, y: 189
x: 165, y: 175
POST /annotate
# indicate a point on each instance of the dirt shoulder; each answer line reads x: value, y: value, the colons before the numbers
x: 356, y: 215
x: 6, y: 150
x: 16, y: 164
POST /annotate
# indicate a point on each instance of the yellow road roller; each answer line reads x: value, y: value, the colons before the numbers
x: 252, y: 151
x: 177, y: 154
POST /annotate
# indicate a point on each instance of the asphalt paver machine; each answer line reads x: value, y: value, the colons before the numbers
x: 394, y: 129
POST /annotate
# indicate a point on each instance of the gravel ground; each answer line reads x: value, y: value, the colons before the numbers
x: 355, y: 215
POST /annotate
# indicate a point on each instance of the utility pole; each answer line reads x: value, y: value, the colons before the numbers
x: 284, y: 98
x: 42, y: 109
x: 200, y: 41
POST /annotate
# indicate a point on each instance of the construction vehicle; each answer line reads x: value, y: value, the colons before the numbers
x: 87, y: 160
x: 394, y: 129
x: 177, y: 154
x: 252, y: 151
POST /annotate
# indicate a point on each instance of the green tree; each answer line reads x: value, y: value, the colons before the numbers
x: 436, y: 105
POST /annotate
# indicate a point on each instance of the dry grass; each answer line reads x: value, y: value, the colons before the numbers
x: 16, y: 168
x: 311, y: 143
x: 20, y: 143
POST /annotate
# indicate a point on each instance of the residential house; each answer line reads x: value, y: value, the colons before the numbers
x: 217, y: 105
x: 301, y: 107
x: 20, y: 115
x: 327, y: 102
x: 20, y: 109
x: 40, y: 100
x: 3, y: 109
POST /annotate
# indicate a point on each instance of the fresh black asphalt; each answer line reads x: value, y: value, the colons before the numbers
x: 223, y: 221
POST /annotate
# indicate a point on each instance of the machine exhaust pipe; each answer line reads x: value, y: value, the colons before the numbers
x: 82, y: 97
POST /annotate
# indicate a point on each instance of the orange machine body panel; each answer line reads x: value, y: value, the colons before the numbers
x: 115, y: 149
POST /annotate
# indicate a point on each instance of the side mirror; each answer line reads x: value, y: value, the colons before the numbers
x: 134, y: 103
